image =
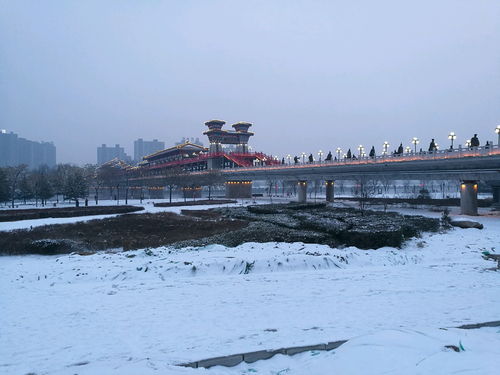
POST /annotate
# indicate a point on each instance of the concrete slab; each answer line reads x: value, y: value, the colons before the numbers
x: 228, y: 361
x: 261, y: 354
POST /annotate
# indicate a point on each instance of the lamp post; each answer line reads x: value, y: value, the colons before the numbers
x: 408, y: 149
x: 386, y: 146
x: 437, y: 146
x: 452, y: 136
x: 339, y: 150
x: 303, y: 157
x: 497, y: 130
x: 467, y: 143
x: 415, y: 142
x: 289, y: 158
x: 320, y: 154
x: 360, y: 149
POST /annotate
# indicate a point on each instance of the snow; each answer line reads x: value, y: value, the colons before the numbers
x: 396, y: 351
x: 148, y: 310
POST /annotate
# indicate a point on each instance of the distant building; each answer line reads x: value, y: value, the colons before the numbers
x: 15, y: 151
x: 144, y: 148
x: 193, y: 141
x: 105, y: 154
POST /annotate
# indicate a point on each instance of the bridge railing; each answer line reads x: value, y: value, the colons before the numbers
x: 460, y: 152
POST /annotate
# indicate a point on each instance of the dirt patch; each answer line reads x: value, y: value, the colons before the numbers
x: 203, y: 202
x: 127, y: 232
x: 42, y: 213
x: 319, y: 223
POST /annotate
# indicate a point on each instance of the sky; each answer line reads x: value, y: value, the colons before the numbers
x: 309, y: 75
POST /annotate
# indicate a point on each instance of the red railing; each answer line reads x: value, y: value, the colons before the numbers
x: 239, y: 158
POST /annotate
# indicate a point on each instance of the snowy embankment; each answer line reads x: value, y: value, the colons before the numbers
x: 148, y: 310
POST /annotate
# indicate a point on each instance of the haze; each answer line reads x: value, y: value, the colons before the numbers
x: 310, y: 75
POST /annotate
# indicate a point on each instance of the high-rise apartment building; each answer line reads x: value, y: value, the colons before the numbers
x: 144, y: 148
x: 15, y: 150
x: 105, y: 154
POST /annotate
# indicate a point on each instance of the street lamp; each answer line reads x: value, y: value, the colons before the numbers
x: 467, y: 143
x: 339, y: 150
x: 320, y: 154
x: 386, y: 146
x: 408, y: 149
x: 437, y: 146
x: 452, y: 136
x: 497, y: 130
x: 415, y: 142
x: 360, y: 149
x: 303, y: 157
x: 289, y: 158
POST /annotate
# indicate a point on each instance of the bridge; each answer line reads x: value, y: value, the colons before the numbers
x: 467, y: 166
x: 230, y: 155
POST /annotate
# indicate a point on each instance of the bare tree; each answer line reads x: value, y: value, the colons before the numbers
x: 173, y: 178
x: 58, y: 178
x: 14, y: 175
x: 386, y: 183
x: 365, y: 187
x: 4, y: 186
x: 75, y: 185
x: 42, y: 187
x: 107, y: 175
x: 26, y: 189
x: 210, y: 179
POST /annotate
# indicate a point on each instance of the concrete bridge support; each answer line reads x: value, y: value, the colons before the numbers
x: 329, y: 184
x: 495, y: 187
x: 239, y: 189
x: 468, y: 198
x: 302, y: 191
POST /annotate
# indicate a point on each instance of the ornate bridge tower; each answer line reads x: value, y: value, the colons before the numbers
x: 217, y: 137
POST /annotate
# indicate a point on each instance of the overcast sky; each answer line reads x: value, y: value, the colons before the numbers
x: 309, y: 74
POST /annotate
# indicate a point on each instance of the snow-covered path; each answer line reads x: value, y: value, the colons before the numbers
x: 143, y: 312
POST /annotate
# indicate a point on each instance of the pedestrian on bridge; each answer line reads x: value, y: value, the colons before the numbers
x: 311, y: 158
x: 329, y: 156
x: 296, y: 159
x: 400, y: 149
x: 474, y: 141
x: 372, y: 152
x: 432, y: 146
x: 349, y: 154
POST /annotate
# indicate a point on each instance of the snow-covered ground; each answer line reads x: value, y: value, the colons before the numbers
x: 392, y: 351
x: 146, y: 311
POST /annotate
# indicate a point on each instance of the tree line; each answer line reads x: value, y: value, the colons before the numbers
x: 68, y: 182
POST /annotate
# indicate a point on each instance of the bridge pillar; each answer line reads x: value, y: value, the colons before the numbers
x: 302, y: 191
x: 239, y: 189
x: 468, y: 198
x: 495, y: 187
x: 329, y: 184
